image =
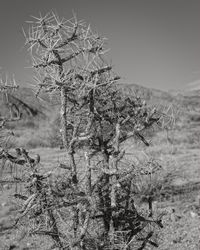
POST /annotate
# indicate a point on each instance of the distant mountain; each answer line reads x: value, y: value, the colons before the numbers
x: 195, y: 85
x: 186, y: 102
x: 186, y: 98
x: 21, y: 101
x: 151, y: 95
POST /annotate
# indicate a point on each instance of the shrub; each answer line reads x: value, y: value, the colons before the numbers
x: 91, y: 205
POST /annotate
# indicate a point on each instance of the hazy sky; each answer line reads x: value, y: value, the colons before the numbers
x: 155, y: 43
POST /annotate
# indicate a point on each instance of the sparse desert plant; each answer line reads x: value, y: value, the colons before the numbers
x: 7, y: 87
x: 91, y: 205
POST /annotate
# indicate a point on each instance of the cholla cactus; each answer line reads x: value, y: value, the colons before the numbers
x: 96, y: 121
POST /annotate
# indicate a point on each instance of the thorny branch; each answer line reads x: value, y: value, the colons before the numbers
x: 96, y: 120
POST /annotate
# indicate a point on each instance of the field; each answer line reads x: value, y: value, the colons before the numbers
x: 177, y: 151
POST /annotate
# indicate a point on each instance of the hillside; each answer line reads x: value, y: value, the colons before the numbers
x: 149, y: 94
x: 24, y: 101
x: 187, y: 103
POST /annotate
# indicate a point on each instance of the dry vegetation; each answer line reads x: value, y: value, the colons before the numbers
x: 109, y: 178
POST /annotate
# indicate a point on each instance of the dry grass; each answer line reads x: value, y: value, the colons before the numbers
x: 182, y: 219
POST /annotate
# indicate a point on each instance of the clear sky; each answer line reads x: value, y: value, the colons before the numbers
x: 155, y: 43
